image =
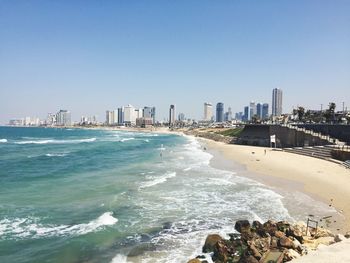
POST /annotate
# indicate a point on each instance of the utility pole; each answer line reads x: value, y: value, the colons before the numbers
x: 321, y: 107
x: 343, y: 106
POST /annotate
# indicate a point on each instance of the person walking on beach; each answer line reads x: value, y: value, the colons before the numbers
x: 265, y: 151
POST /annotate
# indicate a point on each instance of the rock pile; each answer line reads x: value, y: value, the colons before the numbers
x: 271, y: 242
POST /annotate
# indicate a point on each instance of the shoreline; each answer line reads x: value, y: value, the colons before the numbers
x: 287, y: 172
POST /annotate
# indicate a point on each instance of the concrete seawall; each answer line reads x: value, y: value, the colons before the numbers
x: 259, y: 135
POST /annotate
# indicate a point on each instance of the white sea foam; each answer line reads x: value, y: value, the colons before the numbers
x: 3, y: 140
x: 119, y: 259
x: 56, y: 154
x: 126, y: 139
x: 57, y: 141
x: 31, y: 227
x: 154, y: 180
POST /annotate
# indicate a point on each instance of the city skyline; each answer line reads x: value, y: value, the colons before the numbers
x: 89, y: 56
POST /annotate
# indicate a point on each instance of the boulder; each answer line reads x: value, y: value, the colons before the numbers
x: 221, y: 253
x: 254, y: 251
x: 195, y: 260
x: 270, y: 227
x: 250, y: 259
x: 295, y: 232
x: 339, y: 238
x: 242, y: 226
x: 279, y: 234
x: 257, y: 225
x: 210, y: 243
x: 274, y: 242
x: 290, y: 255
x: 283, y: 226
x: 286, y: 243
x: 258, y: 228
x: 322, y: 232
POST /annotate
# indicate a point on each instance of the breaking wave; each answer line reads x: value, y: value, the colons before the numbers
x: 154, y: 180
x: 57, y: 141
x: 20, y: 228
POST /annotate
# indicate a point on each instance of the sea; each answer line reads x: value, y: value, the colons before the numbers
x: 84, y: 195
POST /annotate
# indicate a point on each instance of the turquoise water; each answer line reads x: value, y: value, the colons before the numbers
x: 74, y: 195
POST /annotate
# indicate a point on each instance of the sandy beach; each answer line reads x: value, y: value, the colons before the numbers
x: 322, y: 180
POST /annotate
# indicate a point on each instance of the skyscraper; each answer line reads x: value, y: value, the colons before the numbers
x: 265, y: 111
x: 259, y: 108
x: 181, y: 117
x: 129, y: 115
x: 219, y: 112
x: 120, y: 115
x: 208, y: 111
x: 246, y: 116
x: 150, y: 112
x: 63, y: 118
x: 252, y: 112
x: 172, y: 115
x: 109, y: 117
x: 276, y: 102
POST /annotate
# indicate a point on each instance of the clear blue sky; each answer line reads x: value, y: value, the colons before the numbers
x: 89, y: 56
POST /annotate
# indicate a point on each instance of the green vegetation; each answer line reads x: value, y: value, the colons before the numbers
x: 231, y: 132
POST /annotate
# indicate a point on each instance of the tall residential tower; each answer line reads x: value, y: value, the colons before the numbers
x: 172, y: 115
x: 276, y: 102
x: 208, y: 111
x: 219, y: 112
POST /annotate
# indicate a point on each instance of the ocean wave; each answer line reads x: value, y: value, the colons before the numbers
x: 3, y: 140
x: 56, y: 154
x: 126, y: 139
x: 57, y: 141
x: 154, y: 180
x: 30, y: 227
x: 119, y: 259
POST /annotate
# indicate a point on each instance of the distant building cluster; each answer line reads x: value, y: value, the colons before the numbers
x: 254, y: 112
x: 258, y: 111
x: 213, y: 114
x: 131, y: 116
x: 61, y: 118
x: 27, y: 121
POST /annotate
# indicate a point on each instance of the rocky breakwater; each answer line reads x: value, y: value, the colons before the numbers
x: 271, y: 242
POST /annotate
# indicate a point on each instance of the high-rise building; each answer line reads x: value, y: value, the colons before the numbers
x: 246, y: 116
x: 153, y: 115
x: 259, y: 108
x: 129, y: 115
x: 208, y: 111
x: 172, y: 114
x: 63, y: 118
x: 265, y: 111
x: 239, y: 116
x: 219, y: 112
x: 229, y: 114
x: 252, y: 107
x: 150, y: 112
x: 120, y: 116
x: 111, y: 117
x: 277, y: 102
x: 51, y: 119
x: 181, y: 117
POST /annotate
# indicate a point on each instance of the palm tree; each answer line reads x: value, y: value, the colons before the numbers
x: 301, y: 112
x: 330, y: 112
